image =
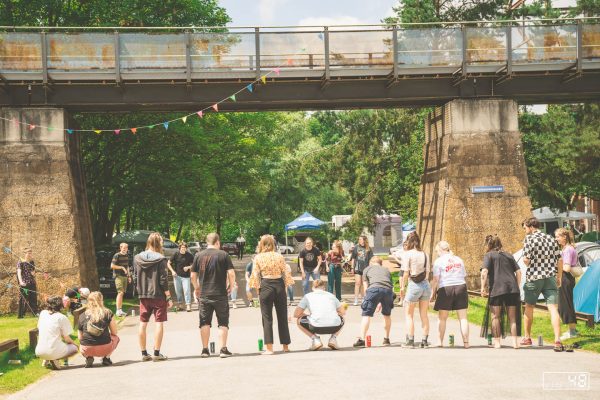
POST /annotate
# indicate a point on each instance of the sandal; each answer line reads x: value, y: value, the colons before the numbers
x: 558, y: 347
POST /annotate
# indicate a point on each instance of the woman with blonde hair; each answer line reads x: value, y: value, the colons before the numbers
x: 566, y: 308
x: 271, y: 277
x: 97, y: 331
x: 335, y: 258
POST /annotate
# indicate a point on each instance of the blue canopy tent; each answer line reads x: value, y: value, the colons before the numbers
x: 586, y: 295
x: 304, y: 222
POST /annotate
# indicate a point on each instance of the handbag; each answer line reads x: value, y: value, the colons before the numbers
x: 576, y: 270
x: 421, y: 277
x: 95, y: 329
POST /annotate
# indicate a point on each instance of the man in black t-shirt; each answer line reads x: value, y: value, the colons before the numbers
x: 213, y: 278
x: 120, y: 268
x: 182, y: 260
x: 309, y: 258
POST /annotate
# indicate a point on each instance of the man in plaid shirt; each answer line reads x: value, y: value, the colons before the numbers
x: 541, y: 254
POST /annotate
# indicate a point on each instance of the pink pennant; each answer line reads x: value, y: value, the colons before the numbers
x: 200, y: 114
x: 45, y: 275
x: 277, y: 70
x: 215, y: 107
x: 31, y: 127
x: 117, y: 131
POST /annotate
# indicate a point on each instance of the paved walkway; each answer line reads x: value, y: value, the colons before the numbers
x: 378, y: 372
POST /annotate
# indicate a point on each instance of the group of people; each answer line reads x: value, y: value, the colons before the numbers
x: 550, y: 262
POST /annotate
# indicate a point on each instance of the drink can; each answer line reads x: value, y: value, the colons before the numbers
x: 368, y: 340
x: 540, y: 341
x: 489, y: 339
x: 212, y: 347
x: 255, y: 302
x: 260, y: 345
x: 133, y: 313
x: 451, y: 340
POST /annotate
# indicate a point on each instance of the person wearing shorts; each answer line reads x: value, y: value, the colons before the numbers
x: 360, y: 258
x: 150, y: 267
x: 379, y: 293
x: 213, y: 278
x: 415, y: 266
x: 449, y: 276
x: 541, y: 255
x: 120, y: 268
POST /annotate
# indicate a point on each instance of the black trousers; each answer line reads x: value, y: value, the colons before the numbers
x: 272, y: 292
x: 27, y: 300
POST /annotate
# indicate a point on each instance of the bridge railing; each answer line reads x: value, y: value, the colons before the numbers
x: 46, y: 54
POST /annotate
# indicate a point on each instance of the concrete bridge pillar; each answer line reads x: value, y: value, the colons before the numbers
x: 43, y: 204
x: 471, y: 145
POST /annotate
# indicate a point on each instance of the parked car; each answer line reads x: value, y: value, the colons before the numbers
x: 106, y: 278
x: 169, y: 248
x: 283, y: 249
x: 195, y: 247
x: 229, y: 247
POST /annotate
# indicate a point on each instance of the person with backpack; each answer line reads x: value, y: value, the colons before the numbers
x: 97, y: 331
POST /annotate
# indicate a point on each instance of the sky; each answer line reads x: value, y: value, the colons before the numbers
x: 306, y: 12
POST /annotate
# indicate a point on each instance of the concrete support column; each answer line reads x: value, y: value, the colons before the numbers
x: 473, y: 143
x: 43, y: 204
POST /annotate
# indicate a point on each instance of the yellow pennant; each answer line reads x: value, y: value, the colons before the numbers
x: 264, y: 79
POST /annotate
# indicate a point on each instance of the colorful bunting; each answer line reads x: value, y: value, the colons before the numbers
x: 133, y: 130
x: 117, y: 131
x: 200, y: 114
x: 215, y: 107
x: 151, y: 126
x: 184, y: 118
x: 25, y: 291
x: 249, y: 88
x: 264, y: 79
x: 290, y: 61
x: 70, y: 131
x: 31, y: 127
x: 7, y: 250
x: 9, y: 285
x: 277, y: 70
x: 232, y: 97
x: 166, y: 125
x: 98, y: 131
x: 45, y: 275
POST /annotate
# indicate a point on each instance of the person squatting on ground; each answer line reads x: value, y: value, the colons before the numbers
x: 500, y: 282
x: 566, y: 308
x: 153, y: 290
x: 379, y: 293
x: 27, y: 285
x: 360, y: 257
x: 120, y: 267
x: 541, y: 255
x: 335, y: 257
x: 309, y: 259
x: 213, y: 278
x: 319, y: 312
x: 271, y: 277
x: 54, y: 340
x: 415, y: 265
x: 182, y: 261
x: 97, y: 331
x: 449, y: 276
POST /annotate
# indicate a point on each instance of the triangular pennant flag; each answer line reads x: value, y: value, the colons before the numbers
x: 184, y: 119
x: 232, y: 97
x: 277, y: 70
x: 50, y: 128
x: 200, y: 113
x: 264, y: 79
x: 31, y: 127
x: 166, y: 125
x: 133, y: 130
x: 117, y: 131
x: 45, y: 275
x: 151, y: 126
x: 16, y: 121
x: 70, y: 131
x: 78, y: 295
x: 98, y: 131
x: 9, y: 285
x: 25, y: 291
x: 215, y: 107
x: 289, y: 61
x: 7, y: 250
x: 249, y: 87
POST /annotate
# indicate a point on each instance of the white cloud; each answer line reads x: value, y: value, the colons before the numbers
x: 330, y: 21
x: 267, y: 8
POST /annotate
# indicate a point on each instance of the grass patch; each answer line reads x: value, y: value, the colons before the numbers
x: 128, y: 304
x: 589, y: 338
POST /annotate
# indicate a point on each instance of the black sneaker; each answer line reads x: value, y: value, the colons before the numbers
x: 386, y: 342
x: 224, y: 353
x: 359, y: 343
x: 106, y: 361
x: 424, y: 344
x: 205, y: 353
x: 409, y: 343
x: 89, y: 362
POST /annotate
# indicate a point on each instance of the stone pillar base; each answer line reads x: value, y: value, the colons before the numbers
x: 43, y: 205
x: 473, y: 143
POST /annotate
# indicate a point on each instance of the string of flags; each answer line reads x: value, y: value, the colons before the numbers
x: 200, y: 114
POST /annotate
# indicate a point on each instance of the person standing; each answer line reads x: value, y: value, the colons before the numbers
x: 335, y: 257
x: 566, y: 308
x: 97, y: 331
x: 379, y: 292
x: 240, y: 243
x: 248, y: 274
x: 360, y: 259
x: 213, y: 278
x: 449, y: 275
x: 270, y: 277
x: 182, y: 260
x: 502, y: 275
x: 541, y: 255
x: 54, y: 330
x: 120, y: 267
x: 415, y: 265
x: 27, y: 284
x: 309, y: 259
x: 153, y: 290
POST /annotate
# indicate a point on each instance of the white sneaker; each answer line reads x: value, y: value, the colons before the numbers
x: 355, y: 301
x: 567, y: 335
x: 316, y: 343
x: 333, y: 345
x: 234, y: 305
x: 121, y: 313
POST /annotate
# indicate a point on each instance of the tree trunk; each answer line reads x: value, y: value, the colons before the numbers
x: 179, y: 231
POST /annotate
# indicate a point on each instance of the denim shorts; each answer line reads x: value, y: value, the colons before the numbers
x: 375, y: 296
x: 418, y: 291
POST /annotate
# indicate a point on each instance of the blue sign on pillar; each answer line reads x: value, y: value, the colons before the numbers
x: 487, y: 189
